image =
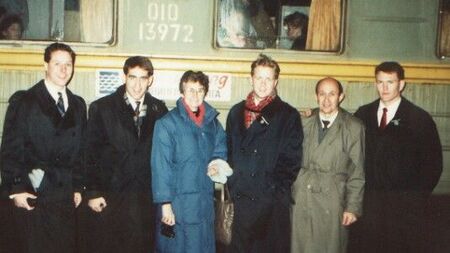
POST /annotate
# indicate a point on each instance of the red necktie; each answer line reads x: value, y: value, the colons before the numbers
x: 383, y: 119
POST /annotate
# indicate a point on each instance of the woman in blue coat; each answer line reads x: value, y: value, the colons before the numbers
x: 185, y: 141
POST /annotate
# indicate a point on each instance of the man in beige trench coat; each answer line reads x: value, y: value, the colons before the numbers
x: 328, y: 192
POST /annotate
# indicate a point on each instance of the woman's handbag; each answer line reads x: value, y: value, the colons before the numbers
x: 224, y: 216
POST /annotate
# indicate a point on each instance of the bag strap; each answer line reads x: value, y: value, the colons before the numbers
x: 224, y: 193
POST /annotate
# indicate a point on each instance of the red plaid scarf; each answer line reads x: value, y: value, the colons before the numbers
x: 198, y: 116
x: 252, y: 111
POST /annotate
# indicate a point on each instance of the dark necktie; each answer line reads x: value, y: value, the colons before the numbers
x: 136, y: 117
x: 325, y: 124
x: 60, y: 105
x: 136, y: 110
x: 383, y: 119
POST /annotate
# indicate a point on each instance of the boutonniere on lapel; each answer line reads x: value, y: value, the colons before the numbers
x: 263, y: 121
x: 396, y: 122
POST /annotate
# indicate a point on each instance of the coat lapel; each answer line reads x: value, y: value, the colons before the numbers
x: 125, y: 115
x: 317, y: 148
x: 372, y: 116
x: 48, y: 107
x: 262, y: 123
x: 401, y: 113
x: 150, y: 117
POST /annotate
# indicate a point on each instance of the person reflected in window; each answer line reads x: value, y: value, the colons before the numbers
x: 2, y: 12
x: 235, y: 29
x: 17, y: 7
x: 261, y: 21
x: 11, y: 28
x: 297, y: 29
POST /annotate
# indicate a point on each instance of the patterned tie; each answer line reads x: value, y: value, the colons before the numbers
x: 383, y: 119
x: 136, y: 117
x: 60, y: 105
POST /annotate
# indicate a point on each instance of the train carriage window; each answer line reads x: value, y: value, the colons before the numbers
x: 88, y: 21
x: 444, y: 30
x: 306, y: 25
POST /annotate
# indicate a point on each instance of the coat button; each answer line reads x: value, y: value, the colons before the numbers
x: 242, y: 150
x: 17, y: 180
x: 255, y: 151
x: 308, y: 186
x: 253, y: 174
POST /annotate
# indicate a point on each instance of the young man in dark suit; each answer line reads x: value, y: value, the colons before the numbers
x: 264, y: 137
x: 119, y: 138
x: 41, y: 157
x: 403, y: 165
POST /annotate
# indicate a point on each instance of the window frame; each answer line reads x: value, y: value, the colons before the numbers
x: 439, y: 50
x: 112, y: 42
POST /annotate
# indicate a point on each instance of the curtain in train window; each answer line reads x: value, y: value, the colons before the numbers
x: 57, y: 20
x: 312, y: 25
x: 444, y: 29
x: 96, y: 20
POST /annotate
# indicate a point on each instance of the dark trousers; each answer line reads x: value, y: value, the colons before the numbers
x: 49, y: 228
x: 260, y: 226
x: 125, y: 225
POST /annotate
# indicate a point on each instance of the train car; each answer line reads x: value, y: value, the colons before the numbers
x: 344, y: 39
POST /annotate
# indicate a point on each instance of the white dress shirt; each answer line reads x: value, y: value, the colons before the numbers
x: 133, y: 101
x: 391, y: 110
x: 330, y: 118
x: 53, y: 90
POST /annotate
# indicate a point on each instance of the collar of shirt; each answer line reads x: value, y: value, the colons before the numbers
x: 133, y: 101
x: 53, y: 90
x: 391, y: 110
x: 330, y: 118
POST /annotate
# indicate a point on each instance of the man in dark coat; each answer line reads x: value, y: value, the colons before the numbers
x: 265, y: 146
x: 119, y: 137
x: 41, y: 157
x: 403, y: 165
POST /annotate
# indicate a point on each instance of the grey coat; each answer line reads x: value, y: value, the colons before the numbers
x: 330, y: 182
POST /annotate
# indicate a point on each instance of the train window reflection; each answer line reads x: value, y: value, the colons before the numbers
x: 88, y: 21
x: 444, y: 29
x: 311, y: 25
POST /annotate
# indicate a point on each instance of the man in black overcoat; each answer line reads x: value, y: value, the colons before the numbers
x: 403, y: 165
x: 264, y: 137
x: 119, y: 137
x: 41, y: 158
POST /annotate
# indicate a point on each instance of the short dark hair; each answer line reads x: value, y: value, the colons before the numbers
x: 296, y: 20
x: 266, y: 61
x: 138, y: 61
x: 57, y: 46
x: 340, y: 88
x: 7, y: 21
x: 192, y: 76
x: 391, y: 67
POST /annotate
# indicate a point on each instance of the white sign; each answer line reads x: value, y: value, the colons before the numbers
x: 165, y: 84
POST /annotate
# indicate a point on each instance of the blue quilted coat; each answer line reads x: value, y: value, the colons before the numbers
x: 180, y: 155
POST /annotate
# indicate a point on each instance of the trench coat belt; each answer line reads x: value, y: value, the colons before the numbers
x: 315, y: 178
